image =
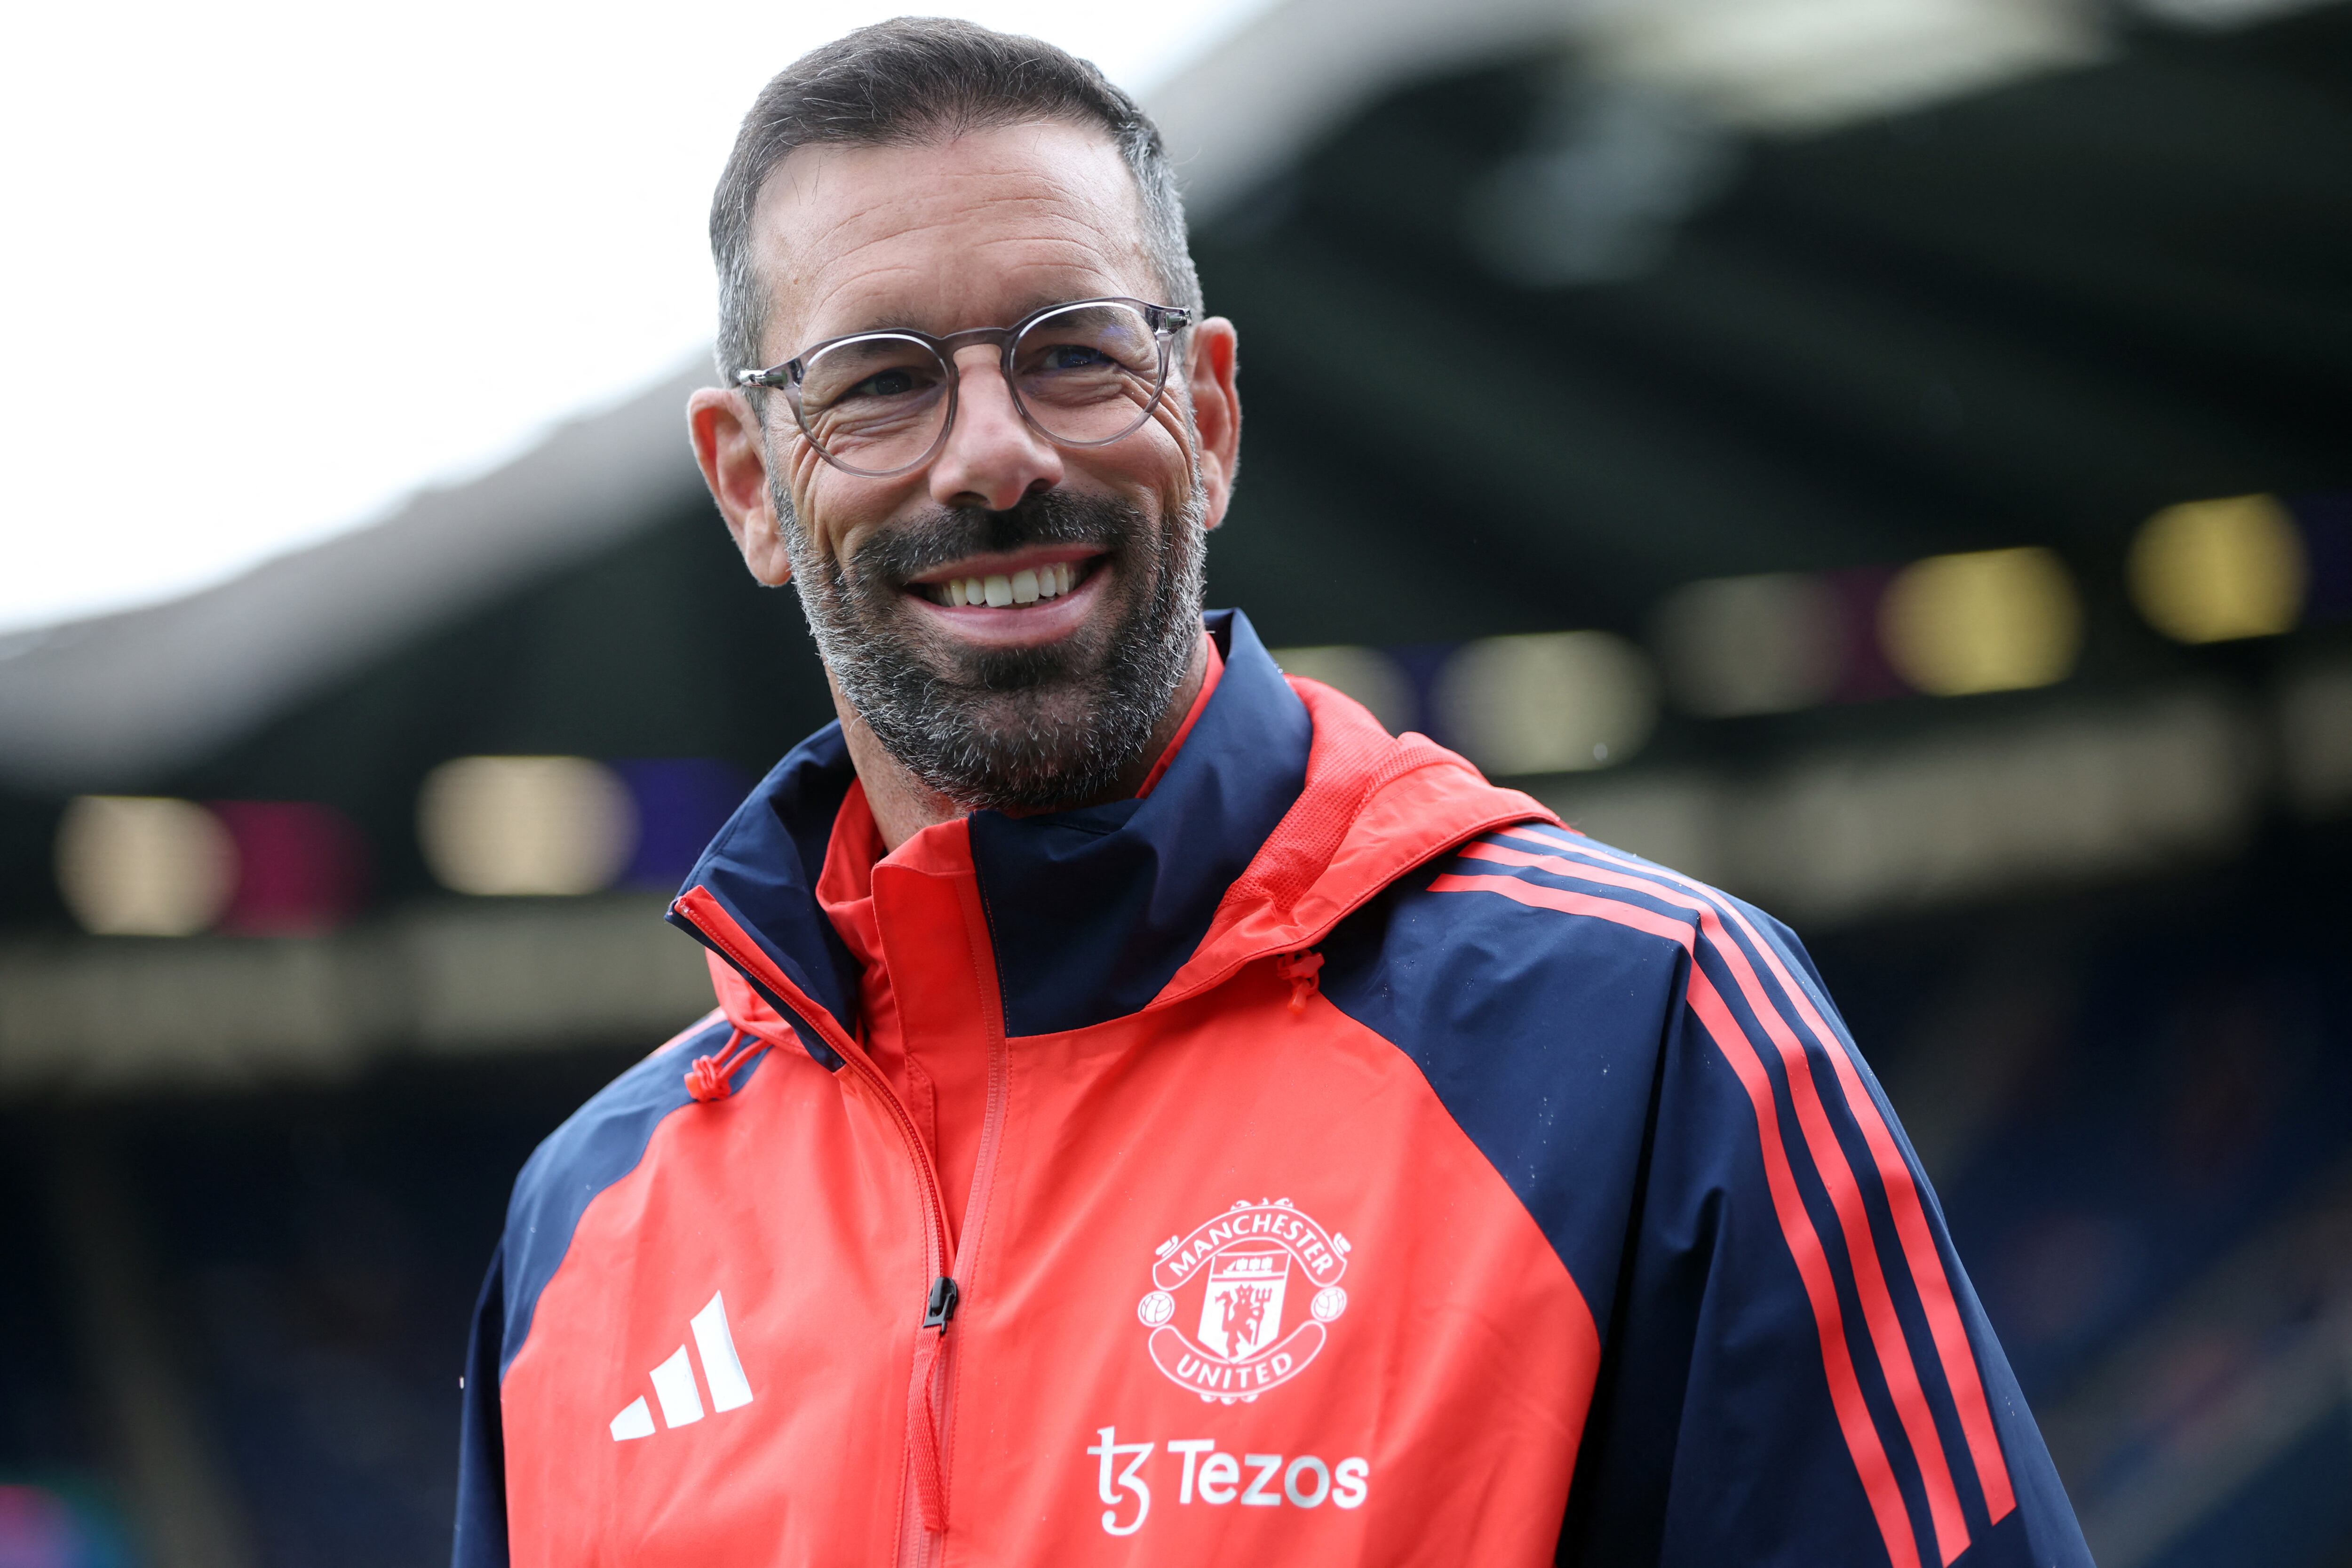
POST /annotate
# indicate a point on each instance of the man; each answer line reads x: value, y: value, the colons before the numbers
x: 1153, y: 1116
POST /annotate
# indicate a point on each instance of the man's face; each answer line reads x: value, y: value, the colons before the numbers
x: 1026, y: 705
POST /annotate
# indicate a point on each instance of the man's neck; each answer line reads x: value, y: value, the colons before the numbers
x: 903, y: 805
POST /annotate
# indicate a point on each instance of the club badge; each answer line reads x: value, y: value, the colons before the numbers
x: 1239, y: 1277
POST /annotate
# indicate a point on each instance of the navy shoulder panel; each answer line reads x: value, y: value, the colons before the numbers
x: 596, y: 1146
x: 1543, y: 1037
x: 1793, y: 1367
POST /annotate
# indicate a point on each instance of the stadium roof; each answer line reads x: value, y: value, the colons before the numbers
x: 2035, y: 313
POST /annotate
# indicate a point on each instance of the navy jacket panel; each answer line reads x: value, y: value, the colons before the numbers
x: 1794, y: 1367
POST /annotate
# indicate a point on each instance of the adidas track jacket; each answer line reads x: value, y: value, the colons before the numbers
x: 1373, y: 1171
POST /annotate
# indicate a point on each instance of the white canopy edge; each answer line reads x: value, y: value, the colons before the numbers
x: 111, y: 702
x: 114, y: 701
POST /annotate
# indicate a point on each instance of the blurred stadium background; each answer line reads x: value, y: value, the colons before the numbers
x: 1888, y: 457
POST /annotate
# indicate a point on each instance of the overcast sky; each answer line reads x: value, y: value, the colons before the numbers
x: 271, y: 267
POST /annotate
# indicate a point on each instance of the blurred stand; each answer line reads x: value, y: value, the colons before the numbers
x: 2245, y: 1370
x: 1885, y: 457
x: 186, y: 1512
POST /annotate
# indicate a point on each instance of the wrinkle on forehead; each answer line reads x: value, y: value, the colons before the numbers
x: 922, y: 235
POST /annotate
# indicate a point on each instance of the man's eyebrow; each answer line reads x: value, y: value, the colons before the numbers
x: 904, y: 321
x: 881, y: 321
x: 889, y: 321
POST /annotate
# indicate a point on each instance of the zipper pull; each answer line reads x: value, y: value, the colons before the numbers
x: 922, y: 1426
x: 941, y: 1306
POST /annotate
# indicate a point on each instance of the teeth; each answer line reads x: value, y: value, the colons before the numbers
x: 1027, y: 587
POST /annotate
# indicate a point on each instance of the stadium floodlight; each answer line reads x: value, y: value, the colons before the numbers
x: 2216, y: 571
x: 506, y: 827
x: 1555, y: 703
x: 144, y: 866
x: 1991, y: 620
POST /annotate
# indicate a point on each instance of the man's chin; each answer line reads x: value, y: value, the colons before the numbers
x: 1010, y: 720
x: 1010, y: 681
x: 1044, y: 749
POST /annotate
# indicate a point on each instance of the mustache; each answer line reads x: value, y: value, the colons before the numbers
x: 949, y: 534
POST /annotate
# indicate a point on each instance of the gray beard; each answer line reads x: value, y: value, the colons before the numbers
x: 1018, y: 729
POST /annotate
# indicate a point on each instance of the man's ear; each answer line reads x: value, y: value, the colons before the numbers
x: 730, y: 449
x: 1211, y: 364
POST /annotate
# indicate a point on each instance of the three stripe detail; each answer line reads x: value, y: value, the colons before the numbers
x: 674, y: 1385
x: 1716, y: 917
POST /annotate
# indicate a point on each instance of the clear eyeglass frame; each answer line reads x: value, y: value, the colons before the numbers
x: 1163, y: 322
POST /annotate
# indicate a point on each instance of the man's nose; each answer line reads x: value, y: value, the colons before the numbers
x: 992, y: 458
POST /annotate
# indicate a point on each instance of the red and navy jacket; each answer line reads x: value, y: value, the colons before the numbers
x: 1373, y: 1171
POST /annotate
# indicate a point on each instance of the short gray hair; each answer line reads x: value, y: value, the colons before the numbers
x: 903, y: 82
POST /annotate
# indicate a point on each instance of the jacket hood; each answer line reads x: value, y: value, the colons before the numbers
x: 1287, y: 808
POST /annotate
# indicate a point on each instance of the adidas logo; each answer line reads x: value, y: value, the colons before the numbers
x: 681, y: 1401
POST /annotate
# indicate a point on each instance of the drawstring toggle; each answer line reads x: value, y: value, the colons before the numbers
x: 707, y: 1080
x: 1301, y: 969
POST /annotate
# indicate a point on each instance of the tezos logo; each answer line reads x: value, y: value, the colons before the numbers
x: 1251, y: 1263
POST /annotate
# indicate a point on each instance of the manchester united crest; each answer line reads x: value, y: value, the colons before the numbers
x: 1241, y: 1279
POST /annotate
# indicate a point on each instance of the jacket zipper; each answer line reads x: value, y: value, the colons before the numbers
x: 933, y: 1361
x: 918, y: 1542
x: 967, y: 1254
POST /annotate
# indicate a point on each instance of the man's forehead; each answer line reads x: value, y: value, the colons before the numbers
x: 1005, y: 218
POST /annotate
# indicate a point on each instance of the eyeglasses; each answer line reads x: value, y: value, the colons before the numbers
x: 878, y: 404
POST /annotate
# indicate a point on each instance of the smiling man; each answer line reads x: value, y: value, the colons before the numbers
x: 1151, y: 1114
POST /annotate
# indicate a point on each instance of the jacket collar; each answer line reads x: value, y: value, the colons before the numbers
x: 1286, y: 806
x: 1091, y: 912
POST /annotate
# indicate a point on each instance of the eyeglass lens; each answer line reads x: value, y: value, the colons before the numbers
x: 1084, y: 376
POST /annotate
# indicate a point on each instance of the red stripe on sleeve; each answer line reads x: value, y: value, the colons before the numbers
x: 1804, y: 1244
x: 1886, y: 1337
x: 1927, y: 1263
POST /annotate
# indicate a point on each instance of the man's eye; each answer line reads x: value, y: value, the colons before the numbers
x: 885, y: 384
x: 1074, y: 356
